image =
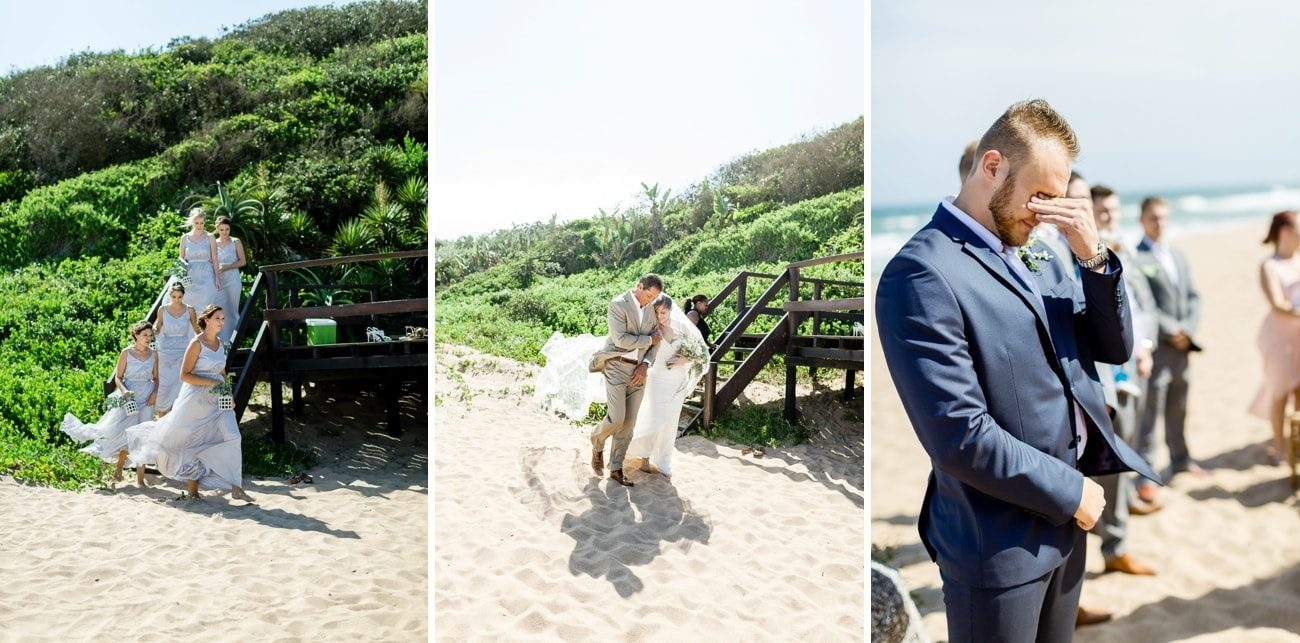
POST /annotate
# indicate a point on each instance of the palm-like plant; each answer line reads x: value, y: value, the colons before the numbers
x: 274, y: 232
x: 352, y: 238
x: 230, y: 205
x: 658, y: 204
x: 619, y: 236
x: 324, y: 296
x: 386, y: 219
x: 413, y: 194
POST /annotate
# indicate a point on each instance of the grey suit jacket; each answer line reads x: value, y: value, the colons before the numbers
x: 629, y: 329
x: 1146, y: 321
x: 1178, y: 306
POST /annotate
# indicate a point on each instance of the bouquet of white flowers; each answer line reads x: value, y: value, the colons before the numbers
x: 692, y: 348
x: 124, y: 400
x: 181, y: 272
x: 224, y: 394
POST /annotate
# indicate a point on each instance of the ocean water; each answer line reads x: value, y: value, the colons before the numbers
x: 1191, y: 211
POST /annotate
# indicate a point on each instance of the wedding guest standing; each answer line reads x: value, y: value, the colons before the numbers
x: 1129, y: 380
x: 198, y: 442
x: 1279, y: 335
x: 230, y: 258
x: 137, y: 375
x: 199, y: 252
x: 696, y: 310
x: 992, y: 353
x: 176, y: 325
x: 1178, y: 306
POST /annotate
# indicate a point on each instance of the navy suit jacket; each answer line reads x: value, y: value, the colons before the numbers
x: 988, y: 374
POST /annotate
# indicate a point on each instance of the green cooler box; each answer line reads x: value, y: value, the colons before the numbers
x: 321, y: 331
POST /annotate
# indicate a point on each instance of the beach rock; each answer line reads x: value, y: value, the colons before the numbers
x: 894, y: 617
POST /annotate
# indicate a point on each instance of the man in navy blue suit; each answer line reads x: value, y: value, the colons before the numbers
x: 992, y: 348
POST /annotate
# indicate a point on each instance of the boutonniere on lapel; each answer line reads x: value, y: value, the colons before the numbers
x: 1151, y: 269
x: 1032, y: 259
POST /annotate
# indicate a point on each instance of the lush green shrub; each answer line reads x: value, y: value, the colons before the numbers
x: 318, y: 31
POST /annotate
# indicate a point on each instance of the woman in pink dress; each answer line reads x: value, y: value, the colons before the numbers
x: 1279, y: 336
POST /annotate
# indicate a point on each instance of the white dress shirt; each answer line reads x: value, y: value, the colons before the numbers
x: 632, y: 354
x: 1164, y: 256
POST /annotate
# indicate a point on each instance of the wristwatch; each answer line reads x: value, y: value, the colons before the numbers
x: 1096, y: 260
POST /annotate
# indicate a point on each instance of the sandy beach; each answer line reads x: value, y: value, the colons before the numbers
x: 1227, y: 546
x: 342, y: 559
x: 530, y: 546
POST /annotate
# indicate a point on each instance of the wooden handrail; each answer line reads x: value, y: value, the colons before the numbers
x: 826, y: 305
x: 850, y: 256
x: 335, y: 261
x: 833, y: 282
x: 348, y: 310
x: 750, y: 315
x: 245, y: 312
x: 246, y: 381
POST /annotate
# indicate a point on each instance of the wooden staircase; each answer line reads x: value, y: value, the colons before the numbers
x: 740, y: 354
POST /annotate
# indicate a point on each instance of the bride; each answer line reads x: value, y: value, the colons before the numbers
x: 566, y: 386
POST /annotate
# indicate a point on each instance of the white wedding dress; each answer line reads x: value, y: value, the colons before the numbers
x: 666, y: 389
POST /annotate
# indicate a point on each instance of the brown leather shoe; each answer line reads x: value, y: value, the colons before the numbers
x: 1140, y: 508
x: 598, y: 460
x: 617, y: 476
x: 1087, y: 616
x: 1127, y: 564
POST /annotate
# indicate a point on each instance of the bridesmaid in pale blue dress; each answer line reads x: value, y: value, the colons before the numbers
x: 198, y: 251
x: 177, y: 324
x: 198, y: 442
x: 137, y: 372
x: 230, y: 258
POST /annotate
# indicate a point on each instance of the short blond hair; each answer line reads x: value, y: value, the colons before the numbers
x: 967, y: 159
x: 1023, y: 125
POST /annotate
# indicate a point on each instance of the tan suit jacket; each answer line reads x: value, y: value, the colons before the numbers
x: 627, y: 331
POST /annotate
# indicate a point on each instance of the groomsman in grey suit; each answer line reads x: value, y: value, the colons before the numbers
x: 1130, y: 384
x: 628, y: 352
x: 1178, y: 312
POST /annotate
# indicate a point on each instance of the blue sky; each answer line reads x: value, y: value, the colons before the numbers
x: 41, y: 32
x: 564, y: 108
x: 1162, y: 93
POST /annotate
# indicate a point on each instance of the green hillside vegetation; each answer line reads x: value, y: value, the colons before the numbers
x: 318, y: 114
x: 505, y: 293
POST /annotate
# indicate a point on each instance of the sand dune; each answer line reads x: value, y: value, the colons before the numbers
x: 530, y: 546
x: 1227, y: 547
x: 342, y: 559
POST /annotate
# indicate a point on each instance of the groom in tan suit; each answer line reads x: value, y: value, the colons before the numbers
x: 628, y: 352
